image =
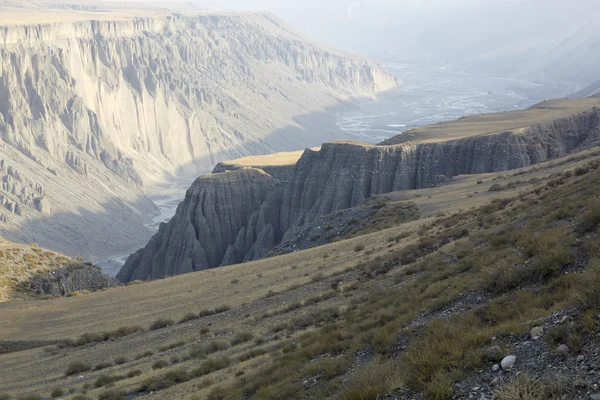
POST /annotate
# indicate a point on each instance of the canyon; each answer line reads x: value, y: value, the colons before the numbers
x: 100, y: 106
x: 240, y: 212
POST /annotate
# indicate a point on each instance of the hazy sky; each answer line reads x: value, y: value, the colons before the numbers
x: 497, y: 36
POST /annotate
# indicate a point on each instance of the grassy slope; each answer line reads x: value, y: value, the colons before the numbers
x: 314, y: 328
x: 476, y: 125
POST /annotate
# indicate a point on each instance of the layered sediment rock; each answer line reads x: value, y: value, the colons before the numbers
x: 97, y: 110
x: 338, y: 176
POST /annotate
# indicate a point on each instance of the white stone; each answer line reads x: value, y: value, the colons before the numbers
x: 508, y: 362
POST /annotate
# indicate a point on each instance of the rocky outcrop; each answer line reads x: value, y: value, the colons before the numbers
x: 340, y: 175
x: 68, y: 280
x: 220, y: 209
x: 98, y: 109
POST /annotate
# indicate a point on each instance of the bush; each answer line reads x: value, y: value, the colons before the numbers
x: 202, y: 350
x: 211, y: 365
x: 121, y: 360
x: 359, y: 247
x: 107, y: 380
x: 371, y: 381
x: 160, y: 364
x: 251, y: 354
x: 77, y: 367
x: 171, y: 346
x: 525, y: 387
x: 591, y: 218
x: 5, y: 396
x: 164, y: 381
x: 144, y: 355
x: 551, y: 250
x: 57, y: 392
x: 161, y: 323
x: 133, y: 373
x: 222, y: 309
x: 241, y: 337
x: 102, y: 365
x: 112, y: 395
x: 102, y: 337
x: 188, y: 317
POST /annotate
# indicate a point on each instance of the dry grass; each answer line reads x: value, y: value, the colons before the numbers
x: 319, y: 330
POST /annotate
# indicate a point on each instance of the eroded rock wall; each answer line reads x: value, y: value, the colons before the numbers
x: 98, y: 110
x: 338, y: 176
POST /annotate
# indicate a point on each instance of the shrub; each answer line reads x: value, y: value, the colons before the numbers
x: 112, y: 395
x: 222, y: 309
x: 102, y: 337
x: 552, y: 251
x: 144, y: 355
x: 211, y: 365
x: 359, y: 247
x: 121, y: 360
x: 525, y: 387
x: 161, y: 323
x: 188, y: 317
x: 251, y: 354
x: 591, y: 217
x: 77, y: 367
x: 57, y: 392
x: 164, y: 381
x: 107, y: 380
x: 371, y: 381
x: 205, y: 313
x: 202, y: 350
x: 102, y: 365
x: 160, y: 364
x: 317, y: 278
x: 5, y: 396
x: 218, y: 393
x: 133, y: 373
x: 171, y: 346
x: 241, y: 337
x: 235, y: 281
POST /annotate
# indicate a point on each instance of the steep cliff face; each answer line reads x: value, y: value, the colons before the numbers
x: 116, y: 105
x: 220, y: 209
x: 342, y: 175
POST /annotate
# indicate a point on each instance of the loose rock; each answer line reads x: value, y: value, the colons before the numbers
x: 536, y: 332
x: 508, y: 362
x: 494, y: 353
x: 563, y: 350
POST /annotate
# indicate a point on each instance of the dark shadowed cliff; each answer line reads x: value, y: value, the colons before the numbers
x: 240, y: 215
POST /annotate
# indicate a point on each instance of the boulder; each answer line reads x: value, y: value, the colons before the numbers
x: 494, y: 353
x: 536, y: 332
x: 508, y: 362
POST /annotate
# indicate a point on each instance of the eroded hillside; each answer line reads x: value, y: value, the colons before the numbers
x: 344, y: 174
x: 425, y: 309
x: 97, y: 106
